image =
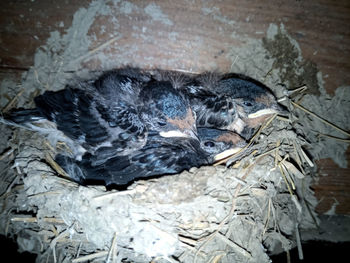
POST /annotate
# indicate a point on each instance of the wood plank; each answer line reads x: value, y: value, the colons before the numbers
x: 332, y: 188
x: 203, y: 32
x: 25, y: 25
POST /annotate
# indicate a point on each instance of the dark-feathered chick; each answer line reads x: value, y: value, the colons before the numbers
x: 212, y: 109
x: 114, y: 112
x: 255, y: 102
x: 219, y: 144
x: 167, y: 110
x: 232, y: 102
x: 158, y: 157
x: 97, y: 114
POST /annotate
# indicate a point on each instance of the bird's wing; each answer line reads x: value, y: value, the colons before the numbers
x: 83, y: 118
x: 212, y: 109
x: 152, y: 160
x: 122, y: 84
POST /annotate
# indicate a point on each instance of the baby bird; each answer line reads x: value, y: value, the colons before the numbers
x: 255, y: 102
x: 220, y: 144
x: 212, y: 109
x: 115, y: 111
x: 166, y: 110
x: 159, y: 156
x: 231, y: 102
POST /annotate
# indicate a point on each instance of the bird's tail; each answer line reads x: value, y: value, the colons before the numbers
x: 27, y: 119
x: 22, y: 116
x: 82, y: 172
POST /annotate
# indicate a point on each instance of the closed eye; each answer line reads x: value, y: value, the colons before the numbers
x: 247, y: 103
x: 160, y: 123
x: 209, y: 144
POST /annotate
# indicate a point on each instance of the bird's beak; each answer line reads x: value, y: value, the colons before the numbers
x: 261, y: 113
x: 188, y: 133
x: 276, y: 108
x: 172, y: 133
x: 227, y: 153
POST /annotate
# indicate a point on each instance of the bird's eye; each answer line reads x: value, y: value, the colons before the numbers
x: 160, y: 123
x: 209, y: 144
x: 247, y: 103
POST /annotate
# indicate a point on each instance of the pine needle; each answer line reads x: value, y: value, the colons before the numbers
x: 321, y: 119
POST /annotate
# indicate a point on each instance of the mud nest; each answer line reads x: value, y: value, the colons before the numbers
x: 238, y: 212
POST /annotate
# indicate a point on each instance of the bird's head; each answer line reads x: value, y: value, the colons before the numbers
x: 255, y: 102
x: 218, y: 144
x: 113, y: 83
x: 167, y: 111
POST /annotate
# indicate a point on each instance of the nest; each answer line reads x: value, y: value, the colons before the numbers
x: 238, y: 212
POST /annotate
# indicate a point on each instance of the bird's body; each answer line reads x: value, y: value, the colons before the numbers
x: 212, y: 109
x: 231, y: 102
x: 129, y: 124
x: 159, y: 156
x: 116, y: 110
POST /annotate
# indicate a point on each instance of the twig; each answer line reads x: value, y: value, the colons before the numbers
x: 45, y: 193
x: 291, y: 168
x: 291, y: 92
x: 187, y: 241
x: 285, y: 180
x: 230, y: 214
x: 112, y: 194
x: 298, y: 157
x: 55, y: 166
x: 111, y: 252
x: 283, y: 119
x: 37, y: 79
x: 10, y: 104
x: 306, y: 157
x: 90, y: 257
x: 269, y: 151
x: 49, y: 146
x: 236, y: 247
x: 273, y: 212
x: 56, y: 239
x: 268, y: 217
x: 300, y: 248
x: 321, y: 119
x: 64, y: 146
x: 277, y: 152
x: 314, y: 219
x: 217, y: 258
x: 288, y: 257
x: 91, y: 52
x: 250, y: 143
x: 334, y: 138
x: 287, y: 174
x: 79, y: 248
x: 35, y: 220
x: 6, y: 153
x: 14, y: 181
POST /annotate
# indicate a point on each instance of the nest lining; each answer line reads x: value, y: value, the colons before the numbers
x: 208, y: 214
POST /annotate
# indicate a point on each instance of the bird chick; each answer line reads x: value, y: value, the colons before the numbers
x: 219, y: 144
x: 160, y: 156
x: 255, y: 102
x: 212, y: 109
x: 85, y: 119
x: 167, y: 110
x: 231, y: 102
x: 115, y: 112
